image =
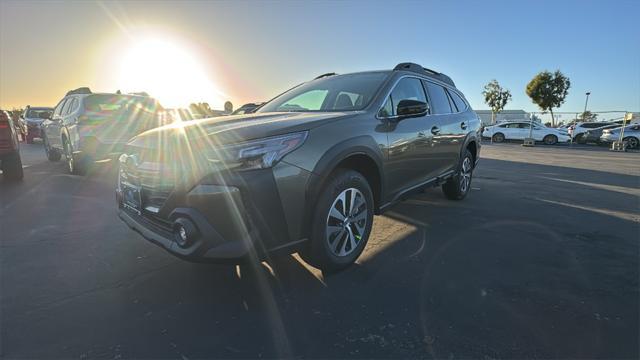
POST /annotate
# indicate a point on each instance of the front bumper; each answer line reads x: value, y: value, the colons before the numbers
x: 33, y: 131
x: 235, y: 215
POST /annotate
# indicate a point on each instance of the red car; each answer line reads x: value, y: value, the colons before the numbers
x: 10, y: 161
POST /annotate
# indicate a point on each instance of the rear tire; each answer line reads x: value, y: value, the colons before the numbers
x: 498, y: 137
x: 581, y: 139
x: 75, y: 165
x: 336, y: 240
x: 550, y: 140
x: 632, y: 142
x: 12, y: 167
x: 457, y: 187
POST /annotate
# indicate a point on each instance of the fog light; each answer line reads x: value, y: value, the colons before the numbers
x: 184, y: 232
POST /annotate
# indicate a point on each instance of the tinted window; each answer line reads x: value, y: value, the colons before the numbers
x: 439, y: 99
x: 67, y: 105
x: 407, y: 89
x: 460, y: 103
x: 387, y: 109
x: 58, y: 110
x: 338, y: 92
x: 74, y: 105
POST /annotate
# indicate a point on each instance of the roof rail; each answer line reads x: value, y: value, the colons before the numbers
x: 325, y: 75
x: 79, y: 91
x: 424, y: 71
x: 140, y: 93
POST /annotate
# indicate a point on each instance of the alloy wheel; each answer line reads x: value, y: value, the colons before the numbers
x: 346, y: 222
x: 465, y: 175
x: 69, y: 156
x: 632, y: 142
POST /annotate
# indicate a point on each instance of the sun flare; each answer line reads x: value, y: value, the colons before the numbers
x: 166, y: 71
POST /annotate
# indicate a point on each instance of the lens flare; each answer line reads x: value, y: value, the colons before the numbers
x: 167, y: 71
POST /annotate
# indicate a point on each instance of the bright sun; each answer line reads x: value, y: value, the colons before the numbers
x: 167, y: 72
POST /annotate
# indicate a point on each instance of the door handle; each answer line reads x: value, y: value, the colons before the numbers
x: 463, y: 126
x: 435, y: 130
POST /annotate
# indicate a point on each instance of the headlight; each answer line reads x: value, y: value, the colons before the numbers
x: 256, y: 154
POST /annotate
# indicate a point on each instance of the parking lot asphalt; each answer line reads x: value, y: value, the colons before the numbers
x: 540, y: 261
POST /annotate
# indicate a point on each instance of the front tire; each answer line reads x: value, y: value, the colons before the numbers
x: 52, y: 154
x: 12, y: 167
x: 459, y: 185
x: 550, y: 140
x: 341, y: 223
x: 498, y: 137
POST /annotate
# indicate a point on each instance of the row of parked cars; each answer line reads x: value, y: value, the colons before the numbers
x: 606, y: 132
x: 86, y: 126
x: 583, y: 132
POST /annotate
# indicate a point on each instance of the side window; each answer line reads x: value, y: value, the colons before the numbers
x: 387, y: 109
x: 74, y: 106
x: 58, y: 109
x: 67, y: 105
x: 439, y: 99
x: 407, y: 89
x: 457, y: 99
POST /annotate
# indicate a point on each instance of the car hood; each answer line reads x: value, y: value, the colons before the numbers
x: 233, y: 129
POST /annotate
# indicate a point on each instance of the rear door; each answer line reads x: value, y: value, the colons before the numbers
x: 445, y: 129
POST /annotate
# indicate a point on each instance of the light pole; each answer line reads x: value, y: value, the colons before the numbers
x: 584, y: 113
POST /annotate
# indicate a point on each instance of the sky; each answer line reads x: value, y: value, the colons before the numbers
x: 247, y: 51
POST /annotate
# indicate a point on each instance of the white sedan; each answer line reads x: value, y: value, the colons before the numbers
x: 520, y: 131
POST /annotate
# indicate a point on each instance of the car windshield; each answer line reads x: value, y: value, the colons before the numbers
x: 39, y: 113
x: 333, y: 93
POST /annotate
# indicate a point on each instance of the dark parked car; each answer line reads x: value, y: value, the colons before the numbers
x: 305, y: 173
x: 33, y: 118
x: 10, y: 161
x: 593, y: 135
x: 87, y: 126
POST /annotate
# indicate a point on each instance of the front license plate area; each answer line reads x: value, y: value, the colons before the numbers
x: 131, y: 198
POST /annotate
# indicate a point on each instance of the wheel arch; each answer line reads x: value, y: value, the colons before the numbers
x: 361, y: 154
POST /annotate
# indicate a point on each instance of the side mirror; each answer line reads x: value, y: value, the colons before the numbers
x: 407, y: 108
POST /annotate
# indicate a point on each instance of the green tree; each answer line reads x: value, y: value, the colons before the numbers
x: 588, y: 116
x: 548, y: 90
x: 496, y: 97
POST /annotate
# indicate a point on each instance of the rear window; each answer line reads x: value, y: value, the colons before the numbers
x: 107, y: 103
x: 39, y: 113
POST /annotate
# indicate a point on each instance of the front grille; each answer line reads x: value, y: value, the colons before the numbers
x: 155, y: 179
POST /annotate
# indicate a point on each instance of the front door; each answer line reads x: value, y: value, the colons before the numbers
x: 409, y: 139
